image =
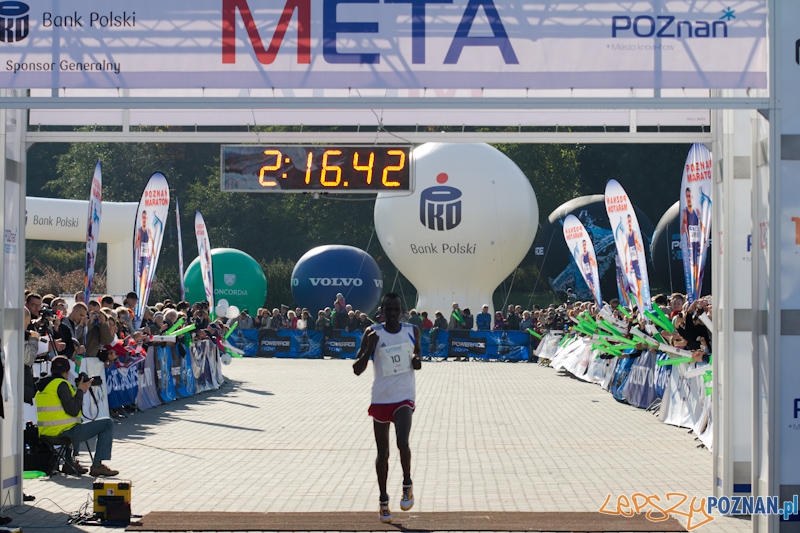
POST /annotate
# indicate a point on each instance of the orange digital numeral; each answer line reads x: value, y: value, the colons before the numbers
x: 270, y: 168
x: 365, y: 168
x: 330, y: 168
x: 393, y: 168
x: 309, y: 159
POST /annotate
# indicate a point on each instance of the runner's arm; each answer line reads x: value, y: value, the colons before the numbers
x: 416, y: 362
x: 368, y: 342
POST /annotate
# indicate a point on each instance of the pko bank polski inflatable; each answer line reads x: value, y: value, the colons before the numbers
x: 325, y: 271
x: 469, y: 223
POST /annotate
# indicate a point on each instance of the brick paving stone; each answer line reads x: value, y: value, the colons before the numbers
x: 294, y: 435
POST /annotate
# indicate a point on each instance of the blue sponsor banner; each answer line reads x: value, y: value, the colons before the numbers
x: 498, y: 345
x: 187, y: 376
x: 434, y: 343
x: 164, y: 381
x: 662, y: 374
x: 621, y: 374
x: 640, y: 389
x: 343, y: 344
x: 245, y: 340
x: 122, y: 384
x: 302, y: 344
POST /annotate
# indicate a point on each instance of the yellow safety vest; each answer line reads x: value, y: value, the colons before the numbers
x: 50, y: 414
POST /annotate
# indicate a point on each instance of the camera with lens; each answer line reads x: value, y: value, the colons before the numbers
x: 47, y: 313
x: 83, y: 377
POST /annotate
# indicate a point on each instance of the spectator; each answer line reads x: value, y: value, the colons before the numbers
x: 310, y: 322
x: 291, y: 320
x: 364, y: 322
x: 440, y: 323
x: 415, y: 319
x: 511, y: 320
x: 340, y: 317
x: 426, y: 322
x: 353, y: 322
x: 676, y: 302
x: 469, y: 321
x: 323, y: 324
x: 302, y: 322
x: 527, y: 321
x: 107, y: 302
x: 499, y: 321
x: 456, y: 320
x: 79, y: 297
x: 98, y: 333
x: 29, y: 356
x: 484, y: 319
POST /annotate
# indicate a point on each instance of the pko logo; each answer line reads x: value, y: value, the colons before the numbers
x: 665, y: 26
x: 14, y: 21
x: 440, y: 208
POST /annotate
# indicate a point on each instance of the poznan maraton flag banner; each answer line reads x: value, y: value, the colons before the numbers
x: 628, y: 238
x: 582, y: 250
x: 148, y: 234
x: 696, y: 190
x: 93, y: 230
x: 180, y: 249
x: 204, y: 252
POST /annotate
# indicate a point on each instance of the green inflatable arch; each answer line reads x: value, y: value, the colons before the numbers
x: 238, y: 278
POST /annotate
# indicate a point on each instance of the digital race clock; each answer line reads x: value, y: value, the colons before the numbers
x: 315, y: 168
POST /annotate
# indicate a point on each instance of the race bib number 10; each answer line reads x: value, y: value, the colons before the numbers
x: 396, y: 359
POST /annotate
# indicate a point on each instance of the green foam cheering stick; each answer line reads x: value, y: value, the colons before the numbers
x: 457, y: 314
x: 175, y: 326
x: 623, y: 311
x: 185, y: 330
x: 606, y: 325
x: 228, y: 333
x: 666, y: 325
x: 537, y: 335
x: 675, y: 361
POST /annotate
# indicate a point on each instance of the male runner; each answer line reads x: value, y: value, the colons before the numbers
x: 690, y: 226
x: 395, y: 351
x: 143, y: 241
x: 632, y: 248
x: 588, y: 262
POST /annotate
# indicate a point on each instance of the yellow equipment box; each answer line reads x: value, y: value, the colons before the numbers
x: 112, y: 496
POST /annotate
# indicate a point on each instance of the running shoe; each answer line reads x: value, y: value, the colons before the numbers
x: 384, y: 513
x: 407, y: 502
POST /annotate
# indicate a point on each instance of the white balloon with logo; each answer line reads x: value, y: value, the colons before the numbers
x: 470, y: 221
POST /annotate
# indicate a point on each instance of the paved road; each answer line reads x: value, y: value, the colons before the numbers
x: 294, y: 435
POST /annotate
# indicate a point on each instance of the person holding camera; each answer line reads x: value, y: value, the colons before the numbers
x: 58, y: 406
x: 98, y: 334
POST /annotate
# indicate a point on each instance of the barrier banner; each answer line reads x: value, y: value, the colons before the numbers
x: 581, y: 248
x: 343, y: 344
x: 628, y: 238
x: 270, y: 343
x: 245, y: 340
x: 611, y: 372
x: 597, y: 368
x: 696, y: 188
x: 434, y: 343
x: 640, y: 389
x: 501, y: 345
x: 181, y: 272
x: 148, y: 234
x: 662, y: 374
x: 123, y: 384
x: 206, y: 266
x: 682, y: 403
x: 147, y: 396
x: 309, y: 343
x: 187, y: 376
x: 93, y: 230
x: 621, y: 374
x: 199, y: 352
x: 164, y: 381
x: 95, y: 403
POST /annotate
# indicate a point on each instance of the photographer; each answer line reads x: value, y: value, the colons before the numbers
x: 98, y: 333
x: 29, y: 356
x: 59, y: 415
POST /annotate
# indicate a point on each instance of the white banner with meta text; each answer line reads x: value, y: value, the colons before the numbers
x: 395, y: 44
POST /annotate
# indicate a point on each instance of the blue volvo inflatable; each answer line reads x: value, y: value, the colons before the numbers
x: 325, y: 271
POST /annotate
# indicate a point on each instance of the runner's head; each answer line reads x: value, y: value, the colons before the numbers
x: 392, y: 307
x: 688, y: 197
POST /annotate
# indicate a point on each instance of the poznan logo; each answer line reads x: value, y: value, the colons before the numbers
x: 230, y: 279
x: 440, y: 206
x: 14, y: 21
